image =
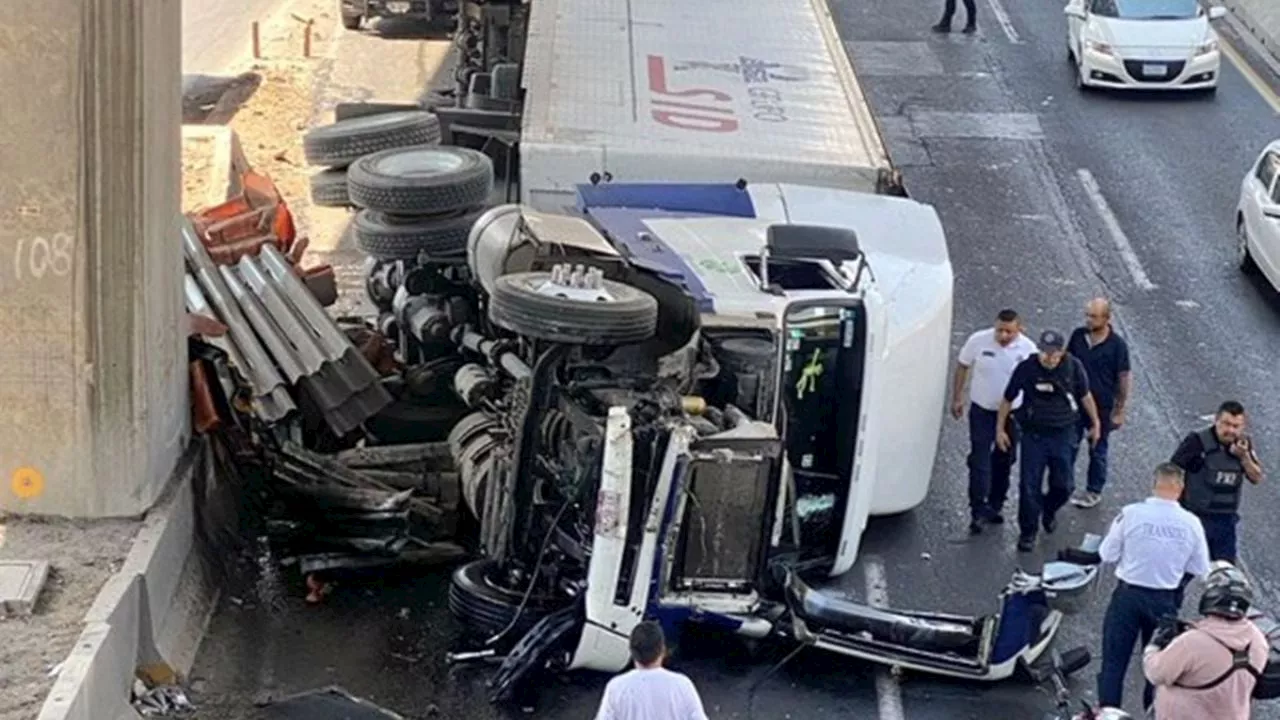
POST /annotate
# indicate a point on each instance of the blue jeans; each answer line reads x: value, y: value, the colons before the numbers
x: 1097, y: 475
x: 1043, y: 450
x: 1220, y: 532
x: 989, y: 466
x: 1133, y: 614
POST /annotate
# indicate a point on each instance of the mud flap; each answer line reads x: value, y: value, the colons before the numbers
x: 534, y: 651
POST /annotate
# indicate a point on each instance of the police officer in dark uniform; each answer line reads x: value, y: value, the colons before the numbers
x: 1054, y: 387
x: 1217, y: 460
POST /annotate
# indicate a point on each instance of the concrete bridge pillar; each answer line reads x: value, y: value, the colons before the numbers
x: 93, y: 384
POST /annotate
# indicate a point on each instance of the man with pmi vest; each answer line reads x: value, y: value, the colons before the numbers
x: 1053, y: 386
x: 1217, y: 460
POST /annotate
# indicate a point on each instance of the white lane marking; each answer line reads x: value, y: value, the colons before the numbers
x: 888, y: 692
x: 1006, y: 24
x: 1258, y: 84
x: 1130, y: 258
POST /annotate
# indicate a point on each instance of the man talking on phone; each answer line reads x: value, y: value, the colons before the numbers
x: 1217, y: 460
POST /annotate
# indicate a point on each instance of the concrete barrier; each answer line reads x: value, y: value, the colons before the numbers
x: 152, y: 613
x: 227, y: 161
x: 1261, y: 18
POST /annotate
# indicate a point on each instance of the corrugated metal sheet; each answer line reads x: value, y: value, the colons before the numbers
x: 282, y: 337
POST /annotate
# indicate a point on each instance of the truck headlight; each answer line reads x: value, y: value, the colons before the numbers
x: 1206, y: 48
x: 1099, y: 47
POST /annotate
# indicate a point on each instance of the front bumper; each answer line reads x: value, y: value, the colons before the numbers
x: 401, y: 8
x: 1110, y: 71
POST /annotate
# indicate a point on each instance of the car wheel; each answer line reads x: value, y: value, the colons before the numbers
x: 487, y: 607
x: 329, y: 188
x: 424, y: 180
x: 1243, y: 255
x: 556, y: 308
x: 389, y: 237
x: 342, y: 143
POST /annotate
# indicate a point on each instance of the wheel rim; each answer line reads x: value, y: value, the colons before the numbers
x: 1242, y: 243
x: 419, y: 163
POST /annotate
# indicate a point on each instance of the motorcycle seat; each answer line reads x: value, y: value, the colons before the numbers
x: 822, y: 610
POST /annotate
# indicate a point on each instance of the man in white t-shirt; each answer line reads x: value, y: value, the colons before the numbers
x: 650, y: 691
x: 985, y: 363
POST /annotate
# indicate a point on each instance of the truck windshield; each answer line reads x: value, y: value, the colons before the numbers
x: 1146, y: 9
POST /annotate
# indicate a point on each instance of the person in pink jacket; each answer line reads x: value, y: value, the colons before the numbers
x: 1208, y: 671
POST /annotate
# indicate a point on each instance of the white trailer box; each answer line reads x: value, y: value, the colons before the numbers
x: 707, y: 91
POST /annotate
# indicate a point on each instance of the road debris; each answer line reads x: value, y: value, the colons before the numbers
x: 162, y: 701
x: 331, y: 703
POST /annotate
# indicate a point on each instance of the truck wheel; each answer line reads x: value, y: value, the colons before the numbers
x: 505, y: 83
x: 424, y: 180
x: 329, y: 188
x: 351, y: 22
x: 487, y: 607
x: 342, y: 143
x: 545, y: 306
x: 389, y: 237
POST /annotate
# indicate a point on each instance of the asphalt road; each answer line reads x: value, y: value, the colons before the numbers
x: 217, y: 33
x: 991, y: 130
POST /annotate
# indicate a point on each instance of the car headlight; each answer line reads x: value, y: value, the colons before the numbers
x: 1099, y: 47
x: 1205, y: 49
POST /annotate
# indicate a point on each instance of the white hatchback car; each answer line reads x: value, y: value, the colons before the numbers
x: 1143, y: 44
x: 1258, y: 217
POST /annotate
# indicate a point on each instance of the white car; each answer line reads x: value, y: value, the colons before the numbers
x: 1143, y: 44
x: 1258, y: 217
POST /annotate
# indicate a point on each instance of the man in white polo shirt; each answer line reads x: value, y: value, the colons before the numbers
x: 985, y: 363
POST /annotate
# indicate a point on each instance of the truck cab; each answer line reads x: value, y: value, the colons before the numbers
x: 792, y: 387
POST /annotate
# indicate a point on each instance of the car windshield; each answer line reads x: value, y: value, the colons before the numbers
x: 1146, y: 9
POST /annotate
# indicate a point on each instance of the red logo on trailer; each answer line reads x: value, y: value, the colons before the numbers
x: 710, y: 110
x: 693, y: 108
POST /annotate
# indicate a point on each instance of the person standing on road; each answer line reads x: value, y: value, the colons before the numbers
x: 985, y: 363
x: 650, y: 691
x: 1217, y: 459
x: 1054, y: 387
x: 1210, y: 669
x: 949, y: 11
x: 1154, y: 544
x: 1106, y: 361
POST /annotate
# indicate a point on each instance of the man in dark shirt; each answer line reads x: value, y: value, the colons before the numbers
x: 1216, y: 459
x: 1054, y: 387
x: 1106, y: 361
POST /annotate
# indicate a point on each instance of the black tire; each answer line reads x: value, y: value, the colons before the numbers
x: 1244, y: 258
x: 343, y: 142
x: 487, y: 609
x: 426, y: 180
x: 388, y: 237
x: 515, y: 304
x: 351, y: 22
x: 329, y: 188
x: 505, y: 83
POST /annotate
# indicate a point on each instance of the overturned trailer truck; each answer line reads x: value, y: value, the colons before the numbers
x: 680, y: 389
x: 706, y: 340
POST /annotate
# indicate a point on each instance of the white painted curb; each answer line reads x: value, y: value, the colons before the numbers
x: 155, y: 609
